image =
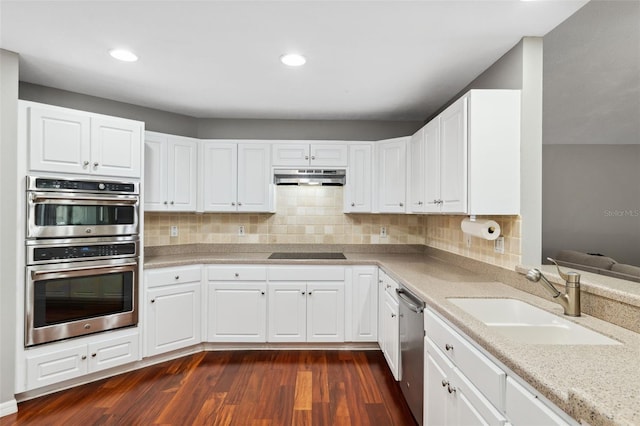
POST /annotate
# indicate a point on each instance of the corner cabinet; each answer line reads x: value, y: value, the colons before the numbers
x: 470, y: 154
x: 392, y: 175
x: 173, y: 308
x: 170, y: 175
x: 236, y: 177
x: 70, y: 141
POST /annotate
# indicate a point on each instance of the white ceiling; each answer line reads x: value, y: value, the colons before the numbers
x: 370, y: 60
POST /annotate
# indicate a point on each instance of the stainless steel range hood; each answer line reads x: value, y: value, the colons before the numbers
x: 336, y: 177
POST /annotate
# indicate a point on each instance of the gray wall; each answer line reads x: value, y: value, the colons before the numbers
x: 8, y: 220
x: 156, y: 120
x: 591, y: 132
x: 216, y: 128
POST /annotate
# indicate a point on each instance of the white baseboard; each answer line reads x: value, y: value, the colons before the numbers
x: 8, y: 407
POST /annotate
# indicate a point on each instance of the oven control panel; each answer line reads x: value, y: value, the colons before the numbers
x: 79, y: 252
x: 50, y: 184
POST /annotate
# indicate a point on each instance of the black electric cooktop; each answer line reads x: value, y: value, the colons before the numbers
x: 298, y: 255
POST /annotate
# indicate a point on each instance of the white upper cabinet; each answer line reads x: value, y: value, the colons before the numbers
x: 236, y: 177
x: 359, y: 187
x: 305, y: 154
x: 69, y: 141
x: 416, y: 191
x: 471, y: 156
x: 392, y: 177
x: 170, y: 175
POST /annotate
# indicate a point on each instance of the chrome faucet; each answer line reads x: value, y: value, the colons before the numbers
x: 570, y: 300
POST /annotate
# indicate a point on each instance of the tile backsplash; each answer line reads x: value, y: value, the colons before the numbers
x: 313, y: 215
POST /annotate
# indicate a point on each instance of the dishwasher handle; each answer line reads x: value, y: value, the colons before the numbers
x: 402, y: 294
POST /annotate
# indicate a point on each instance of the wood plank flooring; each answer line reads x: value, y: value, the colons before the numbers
x: 248, y: 388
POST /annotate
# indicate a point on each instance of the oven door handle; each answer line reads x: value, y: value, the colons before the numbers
x: 35, y: 197
x: 81, y: 271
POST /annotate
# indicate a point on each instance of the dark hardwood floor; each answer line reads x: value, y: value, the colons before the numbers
x: 234, y: 388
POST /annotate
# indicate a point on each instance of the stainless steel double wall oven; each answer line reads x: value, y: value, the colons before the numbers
x: 82, y: 257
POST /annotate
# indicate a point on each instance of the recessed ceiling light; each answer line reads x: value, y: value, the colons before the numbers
x: 123, y: 55
x: 293, y: 60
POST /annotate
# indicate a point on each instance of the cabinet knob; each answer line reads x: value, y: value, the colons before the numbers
x: 165, y: 203
x: 353, y: 204
x: 172, y: 203
x: 153, y: 300
x: 303, y: 293
x: 85, y: 164
x: 313, y: 157
x: 419, y: 203
x: 236, y: 275
x: 177, y: 277
x: 380, y: 281
x: 445, y: 383
x: 388, y: 286
x: 401, y: 204
x: 233, y: 203
x: 448, y: 347
x: 94, y: 355
x: 95, y: 165
x: 393, y: 315
x: 451, y: 389
x: 262, y: 293
x: 239, y: 203
x: 310, y: 293
x: 83, y: 357
x: 306, y: 157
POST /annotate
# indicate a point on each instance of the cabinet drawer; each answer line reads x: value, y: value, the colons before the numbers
x: 306, y: 273
x: 523, y: 408
x: 237, y: 273
x: 390, y: 285
x: 113, y: 352
x: 485, y: 375
x: 168, y: 276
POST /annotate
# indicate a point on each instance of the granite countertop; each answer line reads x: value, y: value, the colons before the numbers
x: 597, y: 384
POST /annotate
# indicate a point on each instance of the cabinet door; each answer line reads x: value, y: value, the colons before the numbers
x: 392, y: 175
x: 325, y: 312
x: 54, y: 367
x: 182, y: 174
x: 220, y: 173
x: 416, y: 183
x: 391, y: 330
x: 287, y: 312
x: 173, y: 318
x: 59, y: 141
x: 254, y: 173
x: 328, y: 155
x: 364, y: 311
x: 291, y: 154
x: 524, y: 408
x: 116, y: 147
x: 453, y: 157
x: 381, y: 309
x: 113, y: 352
x: 237, y: 312
x: 432, y: 166
x: 359, y: 186
x: 155, y: 172
x: 437, y: 400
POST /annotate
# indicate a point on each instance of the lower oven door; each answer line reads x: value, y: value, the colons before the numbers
x: 73, y: 299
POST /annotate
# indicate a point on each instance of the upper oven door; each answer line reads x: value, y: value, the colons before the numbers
x: 64, y: 214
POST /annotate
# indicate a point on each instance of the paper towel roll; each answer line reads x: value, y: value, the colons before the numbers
x: 481, y: 228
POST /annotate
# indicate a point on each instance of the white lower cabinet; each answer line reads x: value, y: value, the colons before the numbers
x: 306, y: 304
x: 364, y: 303
x: 389, y: 322
x: 63, y: 361
x: 464, y: 387
x: 237, y: 304
x: 173, y: 309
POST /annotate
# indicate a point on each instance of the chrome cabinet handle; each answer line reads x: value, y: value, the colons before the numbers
x: 83, y: 357
x: 85, y: 164
x: 445, y: 383
x: 401, y: 204
x: 236, y: 275
x: 310, y: 293
x: 353, y: 204
x: 262, y: 293
x: 177, y: 277
x: 165, y: 203
x: 153, y: 300
x: 233, y: 203
x: 94, y: 355
x: 306, y: 157
x: 95, y: 165
x: 239, y: 203
x: 448, y: 347
x: 451, y: 389
x: 303, y: 293
x: 313, y: 157
x: 172, y: 203
x: 393, y: 315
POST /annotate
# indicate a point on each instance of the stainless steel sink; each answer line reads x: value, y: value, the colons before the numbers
x: 526, y: 323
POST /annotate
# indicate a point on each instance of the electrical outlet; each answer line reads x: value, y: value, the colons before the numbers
x: 174, y: 231
x: 241, y: 230
x: 498, y: 245
x: 383, y: 232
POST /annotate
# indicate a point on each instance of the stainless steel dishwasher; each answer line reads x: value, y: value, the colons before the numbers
x: 412, y: 351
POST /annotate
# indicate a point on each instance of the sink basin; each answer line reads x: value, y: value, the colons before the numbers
x: 526, y: 323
